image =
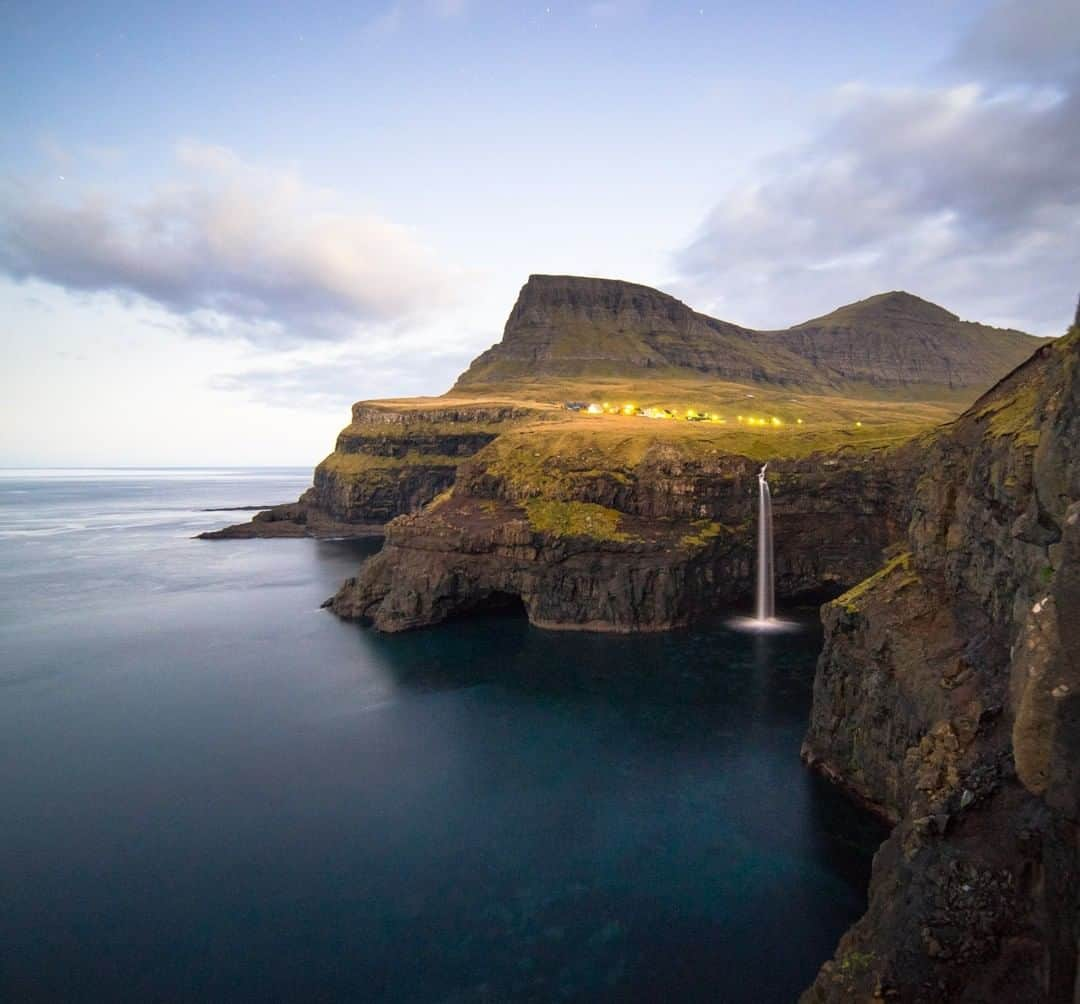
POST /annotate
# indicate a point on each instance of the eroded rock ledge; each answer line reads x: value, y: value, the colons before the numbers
x: 948, y: 698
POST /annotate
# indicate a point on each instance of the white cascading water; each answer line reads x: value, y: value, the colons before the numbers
x: 765, y: 607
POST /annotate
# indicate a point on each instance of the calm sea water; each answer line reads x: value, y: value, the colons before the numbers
x: 212, y: 790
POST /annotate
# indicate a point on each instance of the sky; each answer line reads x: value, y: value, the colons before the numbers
x: 220, y: 224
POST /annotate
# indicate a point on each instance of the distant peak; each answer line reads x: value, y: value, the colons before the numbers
x: 896, y: 305
x: 900, y: 299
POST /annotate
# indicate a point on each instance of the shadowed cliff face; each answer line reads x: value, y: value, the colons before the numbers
x: 947, y: 696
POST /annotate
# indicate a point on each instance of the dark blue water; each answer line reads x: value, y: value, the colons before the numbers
x: 212, y: 790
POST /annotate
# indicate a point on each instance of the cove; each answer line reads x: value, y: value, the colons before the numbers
x: 215, y: 790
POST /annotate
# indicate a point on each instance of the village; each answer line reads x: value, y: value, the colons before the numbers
x: 672, y: 414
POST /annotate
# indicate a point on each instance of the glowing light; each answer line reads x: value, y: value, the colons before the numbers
x: 629, y: 409
x: 858, y: 424
x: 799, y: 421
x: 776, y: 421
x: 595, y: 409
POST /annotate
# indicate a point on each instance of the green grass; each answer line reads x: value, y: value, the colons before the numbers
x: 558, y: 459
x: 705, y: 531
x: 441, y: 499
x: 900, y: 569
x: 362, y: 463
x: 575, y: 519
x: 1014, y: 414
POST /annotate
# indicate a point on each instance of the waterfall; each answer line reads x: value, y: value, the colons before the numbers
x: 765, y: 609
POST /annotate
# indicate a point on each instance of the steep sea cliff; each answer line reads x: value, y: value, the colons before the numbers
x: 948, y: 698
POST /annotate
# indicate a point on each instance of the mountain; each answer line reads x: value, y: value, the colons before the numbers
x: 573, y: 327
x: 898, y: 339
x: 570, y: 326
x: 872, y: 373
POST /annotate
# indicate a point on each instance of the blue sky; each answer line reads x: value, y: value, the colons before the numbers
x: 220, y: 224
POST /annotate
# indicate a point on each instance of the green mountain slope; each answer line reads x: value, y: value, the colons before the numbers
x: 567, y: 328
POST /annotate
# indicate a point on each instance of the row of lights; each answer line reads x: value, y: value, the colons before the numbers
x: 691, y: 415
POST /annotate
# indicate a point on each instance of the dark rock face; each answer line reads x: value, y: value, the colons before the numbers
x: 674, y: 540
x: 304, y: 518
x: 948, y: 697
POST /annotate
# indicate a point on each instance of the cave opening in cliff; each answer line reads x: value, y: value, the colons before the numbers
x: 496, y: 603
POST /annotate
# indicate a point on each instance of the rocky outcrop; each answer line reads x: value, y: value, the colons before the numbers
x: 582, y: 541
x: 948, y: 698
x: 392, y: 459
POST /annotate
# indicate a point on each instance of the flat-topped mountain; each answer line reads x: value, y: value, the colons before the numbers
x: 566, y: 327
x: 570, y: 326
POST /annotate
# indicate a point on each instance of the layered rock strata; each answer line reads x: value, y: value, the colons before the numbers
x: 392, y: 458
x: 947, y: 697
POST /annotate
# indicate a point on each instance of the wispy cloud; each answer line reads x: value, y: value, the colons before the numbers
x: 336, y: 379
x: 232, y: 248
x: 967, y: 193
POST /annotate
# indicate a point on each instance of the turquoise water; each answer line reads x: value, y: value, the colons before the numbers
x: 212, y: 790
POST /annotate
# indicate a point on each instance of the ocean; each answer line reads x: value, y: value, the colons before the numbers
x: 214, y: 790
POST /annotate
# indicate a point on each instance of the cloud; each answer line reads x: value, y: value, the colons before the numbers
x: 1023, y: 40
x: 968, y: 194
x: 231, y: 248
x: 335, y: 380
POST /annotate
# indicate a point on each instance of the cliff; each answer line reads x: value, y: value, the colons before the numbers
x: 624, y: 536
x: 948, y: 697
x: 392, y: 459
